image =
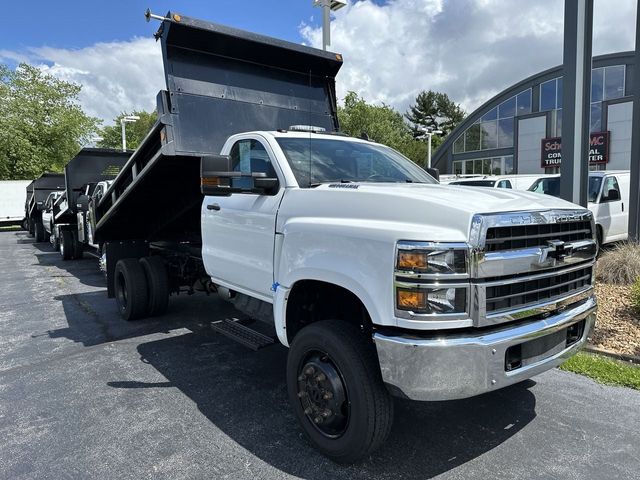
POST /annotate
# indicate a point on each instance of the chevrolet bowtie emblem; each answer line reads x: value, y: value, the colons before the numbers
x: 558, y: 250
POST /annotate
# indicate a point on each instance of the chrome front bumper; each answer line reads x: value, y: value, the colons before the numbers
x: 451, y: 366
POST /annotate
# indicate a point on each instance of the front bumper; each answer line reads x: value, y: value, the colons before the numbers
x: 458, y: 365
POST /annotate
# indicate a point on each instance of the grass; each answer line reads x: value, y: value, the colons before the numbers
x: 604, y: 370
x: 10, y: 228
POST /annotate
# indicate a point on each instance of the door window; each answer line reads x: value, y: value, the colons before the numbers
x: 250, y: 156
x: 611, y: 190
x: 504, y: 184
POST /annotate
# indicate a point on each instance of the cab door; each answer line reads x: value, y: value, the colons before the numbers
x: 238, y: 231
x: 611, y: 213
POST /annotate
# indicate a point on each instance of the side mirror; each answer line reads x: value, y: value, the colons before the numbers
x: 434, y: 172
x: 267, y: 185
x: 217, y: 175
x: 612, y: 195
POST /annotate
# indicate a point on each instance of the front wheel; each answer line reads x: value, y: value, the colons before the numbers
x: 335, y: 386
x: 66, y: 244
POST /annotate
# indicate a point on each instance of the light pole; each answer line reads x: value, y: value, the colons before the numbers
x: 429, y: 132
x: 327, y: 7
x: 123, y: 120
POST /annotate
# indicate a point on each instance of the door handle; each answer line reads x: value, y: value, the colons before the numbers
x: 213, y: 206
x: 623, y: 206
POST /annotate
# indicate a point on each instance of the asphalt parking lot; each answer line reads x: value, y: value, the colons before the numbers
x: 84, y: 394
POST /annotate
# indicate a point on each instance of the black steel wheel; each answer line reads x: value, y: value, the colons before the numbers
x: 132, y: 292
x: 158, y: 281
x: 66, y: 244
x: 323, y: 394
x: 335, y: 387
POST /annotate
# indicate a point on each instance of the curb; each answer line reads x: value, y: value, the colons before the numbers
x: 618, y: 356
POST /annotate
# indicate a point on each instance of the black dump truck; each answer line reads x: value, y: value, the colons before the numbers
x: 40, y: 190
x: 89, y: 168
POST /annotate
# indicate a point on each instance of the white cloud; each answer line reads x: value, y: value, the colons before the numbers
x: 470, y: 50
x: 115, y: 76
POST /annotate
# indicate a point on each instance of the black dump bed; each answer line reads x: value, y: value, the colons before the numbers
x: 91, y: 165
x: 42, y: 187
x: 29, y: 194
x: 220, y: 81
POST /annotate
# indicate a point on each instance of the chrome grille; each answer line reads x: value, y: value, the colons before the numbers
x: 526, y: 236
x: 510, y: 295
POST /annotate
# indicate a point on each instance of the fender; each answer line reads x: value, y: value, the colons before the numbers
x: 363, y: 268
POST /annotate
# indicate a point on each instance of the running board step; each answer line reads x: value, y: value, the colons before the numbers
x: 246, y: 336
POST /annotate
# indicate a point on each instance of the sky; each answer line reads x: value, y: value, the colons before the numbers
x: 392, y: 49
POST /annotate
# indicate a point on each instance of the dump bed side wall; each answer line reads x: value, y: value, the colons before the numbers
x: 91, y: 165
x: 220, y: 82
x: 46, y: 184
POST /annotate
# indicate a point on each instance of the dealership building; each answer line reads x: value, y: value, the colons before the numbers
x: 520, y: 129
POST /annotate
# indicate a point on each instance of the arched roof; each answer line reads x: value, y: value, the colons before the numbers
x: 600, y: 61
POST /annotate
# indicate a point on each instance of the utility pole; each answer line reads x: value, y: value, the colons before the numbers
x: 124, y: 120
x: 429, y: 132
x: 574, y: 172
x: 327, y: 6
x: 634, y: 198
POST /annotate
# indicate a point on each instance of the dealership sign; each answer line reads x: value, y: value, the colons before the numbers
x: 598, y: 150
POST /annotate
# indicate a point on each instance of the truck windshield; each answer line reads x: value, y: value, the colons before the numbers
x: 318, y: 160
x: 551, y: 186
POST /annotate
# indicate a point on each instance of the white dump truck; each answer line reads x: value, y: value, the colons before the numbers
x: 379, y: 280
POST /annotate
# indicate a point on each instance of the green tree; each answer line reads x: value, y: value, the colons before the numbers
x: 434, y: 110
x: 42, y: 125
x: 134, y: 131
x: 382, y: 124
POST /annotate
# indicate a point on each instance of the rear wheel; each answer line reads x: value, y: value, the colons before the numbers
x: 158, y: 282
x: 78, y: 249
x: 335, y: 386
x: 39, y: 232
x: 66, y: 244
x: 55, y: 240
x: 132, y: 293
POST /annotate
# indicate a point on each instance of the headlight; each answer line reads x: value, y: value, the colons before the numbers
x: 431, y: 258
x: 432, y: 300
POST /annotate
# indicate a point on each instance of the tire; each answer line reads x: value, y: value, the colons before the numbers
x: 132, y: 292
x: 368, y: 406
x: 78, y: 248
x: 155, y: 271
x: 39, y: 232
x: 55, y: 241
x: 66, y: 244
x: 30, y: 229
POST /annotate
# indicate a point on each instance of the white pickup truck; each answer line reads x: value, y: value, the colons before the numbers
x: 380, y: 281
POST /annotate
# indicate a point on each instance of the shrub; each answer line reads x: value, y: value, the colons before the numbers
x: 621, y: 265
x: 635, y: 294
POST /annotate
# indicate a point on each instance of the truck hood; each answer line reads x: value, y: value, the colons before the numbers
x: 412, y: 211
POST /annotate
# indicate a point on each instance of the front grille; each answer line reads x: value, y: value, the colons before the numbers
x: 518, y: 294
x: 526, y: 236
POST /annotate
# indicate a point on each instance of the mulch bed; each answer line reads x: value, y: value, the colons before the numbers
x: 618, y: 325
